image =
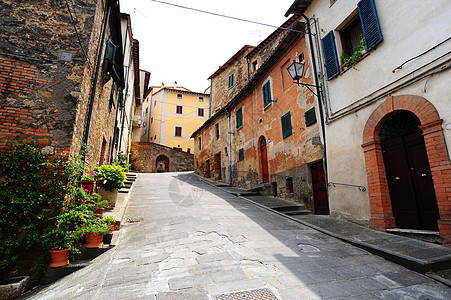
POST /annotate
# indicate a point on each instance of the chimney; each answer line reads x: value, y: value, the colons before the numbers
x: 162, y: 85
x: 175, y: 84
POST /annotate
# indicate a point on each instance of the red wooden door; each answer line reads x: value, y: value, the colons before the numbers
x: 320, y: 198
x: 264, y: 159
x: 409, y: 181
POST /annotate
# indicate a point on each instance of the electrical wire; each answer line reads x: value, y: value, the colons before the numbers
x: 225, y: 16
x: 76, y: 33
x: 400, y: 66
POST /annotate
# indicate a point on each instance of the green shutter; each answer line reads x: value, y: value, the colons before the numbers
x: 239, y: 118
x: 286, y: 125
x: 241, y: 154
x: 310, y: 117
x: 266, y: 93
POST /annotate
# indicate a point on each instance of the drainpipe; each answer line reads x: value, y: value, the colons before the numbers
x: 318, y: 92
x: 96, y: 77
x: 230, y: 145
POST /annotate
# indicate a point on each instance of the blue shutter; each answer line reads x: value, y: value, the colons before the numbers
x: 330, y: 55
x: 370, y: 23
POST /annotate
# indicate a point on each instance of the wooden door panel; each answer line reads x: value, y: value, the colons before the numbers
x: 320, y: 198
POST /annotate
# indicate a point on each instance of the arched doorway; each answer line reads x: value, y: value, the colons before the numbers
x: 408, y: 173
x: 264, y: 159
x: 162, y: 164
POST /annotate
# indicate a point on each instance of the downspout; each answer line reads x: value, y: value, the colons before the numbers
x: 96, y: 77
x: 230, y: 145
x: 318, y: 92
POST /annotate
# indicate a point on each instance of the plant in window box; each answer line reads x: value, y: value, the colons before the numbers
x: 109, y: 179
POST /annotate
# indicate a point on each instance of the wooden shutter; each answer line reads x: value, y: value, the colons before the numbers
x: 239, y: 118
x: 330, y: 55
x: 178, y: 131
x: 310, y: 117
x: 370, y: 23
x: 241, y: 154
x: 286, y: 125
x: 267, y: 94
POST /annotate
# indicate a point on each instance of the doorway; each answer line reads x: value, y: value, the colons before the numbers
x: 264, y: 159
x: 162, y: 164
x: 320, y: 199
x: 408, y: 173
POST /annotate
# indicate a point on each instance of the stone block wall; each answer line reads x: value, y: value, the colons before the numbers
x: 144, y: 157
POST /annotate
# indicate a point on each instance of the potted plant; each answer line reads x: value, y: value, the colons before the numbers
x: 87, y: 181
x: 95, y: 230
x: 109, y: 179
x: 98, y: 204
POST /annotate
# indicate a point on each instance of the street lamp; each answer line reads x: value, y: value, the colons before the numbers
x: 140, y: 122
x: 296, y: 71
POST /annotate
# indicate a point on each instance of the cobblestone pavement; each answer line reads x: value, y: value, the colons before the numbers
x: 185, y: 239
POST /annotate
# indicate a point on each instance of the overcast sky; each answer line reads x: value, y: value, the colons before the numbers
x: 187, y: 46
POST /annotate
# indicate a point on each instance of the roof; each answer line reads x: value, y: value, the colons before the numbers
x: 298, y: 7
x: 273, y: 36
x: 231, y: 60
x: 135, y: 49
x: 180, y: 90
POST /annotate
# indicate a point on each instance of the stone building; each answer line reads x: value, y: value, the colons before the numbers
x: 384, y: 68
x: 61, y: 75
x: 265, y: 129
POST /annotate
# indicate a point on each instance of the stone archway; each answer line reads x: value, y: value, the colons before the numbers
x: 162, y: 163
x: 380, y: 204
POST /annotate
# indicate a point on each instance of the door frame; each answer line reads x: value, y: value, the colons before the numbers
x: 439, y: 161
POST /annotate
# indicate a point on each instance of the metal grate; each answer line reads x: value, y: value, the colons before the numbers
x: 260, y: 294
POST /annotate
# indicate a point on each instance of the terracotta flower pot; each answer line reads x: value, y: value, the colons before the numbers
x: 59, y: 258
x: 99, y: 211
x: 87, y: 184
x: 93, y: 240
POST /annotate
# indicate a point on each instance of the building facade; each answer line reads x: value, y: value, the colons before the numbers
x: 60, y: 88
x: 265, y: 130
x: 384, y: 67
x: 175, y: 113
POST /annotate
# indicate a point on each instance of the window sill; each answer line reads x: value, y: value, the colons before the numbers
x: 238, y: 128
x: 267, y: 106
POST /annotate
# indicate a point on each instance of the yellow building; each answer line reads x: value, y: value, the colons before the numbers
x: 175, y: 113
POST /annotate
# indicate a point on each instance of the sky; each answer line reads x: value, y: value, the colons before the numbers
x: 187, y: 46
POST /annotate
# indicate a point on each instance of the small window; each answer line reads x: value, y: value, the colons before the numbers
x: 179, y: 96
x: 267, y: 94
x: 289, y: 185
x: 188, y: 150
x: 147, y: 111
x: 178, y: 131
x: 241, y: 154
x: 286, y: 125
x: 199, y: 143
x: 200, y: 112
x: 310, y: 117
x: 231, y: 80
x: 217, y: 131
x: 179, y: 109
x: 255, y: 66
x: 155, y: 138
x: 155, y: 103
x: 151, y: 120
x: 201, y: 99
x: 239, y: 118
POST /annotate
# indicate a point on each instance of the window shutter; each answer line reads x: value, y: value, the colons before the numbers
x: 310, y: 117
x: 370, y: 23
x: 239, y: 118
x: 266, y: 94
x: 330, y: 55
x: 110, y: 51
x: 286, y: 125
x: 241, y: 154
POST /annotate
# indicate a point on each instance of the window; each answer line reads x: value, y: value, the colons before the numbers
x: 310, y: 117
x: 201, y: 99
x: 286, y: 125
x: 151, y: 120
x: 255, y: 66
x: 199, y: 143
x: 239, y: 118
x: 188, y: 150
x: 179, y: 96
x: 178, y: 131
x: 155, y: 103
x: 267, y: 93
x: 241, y: 154
x: 231, y: 80
x: 147, y: 111
x: 179, y: 109
x: 217, y: 131
x: 370, y: 28
x: 108, y: 60
x: 200, y: 112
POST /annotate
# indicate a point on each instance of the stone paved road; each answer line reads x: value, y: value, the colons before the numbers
x: 192, y: 241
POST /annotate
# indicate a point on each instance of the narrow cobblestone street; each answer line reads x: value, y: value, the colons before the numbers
x: 185, y: 239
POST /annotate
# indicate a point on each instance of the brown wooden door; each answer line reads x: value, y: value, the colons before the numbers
x: 218, y: 166
x: 320, y: 198
x: 264, y: 159
x: 410, y: 182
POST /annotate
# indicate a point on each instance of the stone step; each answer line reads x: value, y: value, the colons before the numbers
x: 422, y: 235
x: 263, y: 189
x: 292, y: 210
x: 53, y: 274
